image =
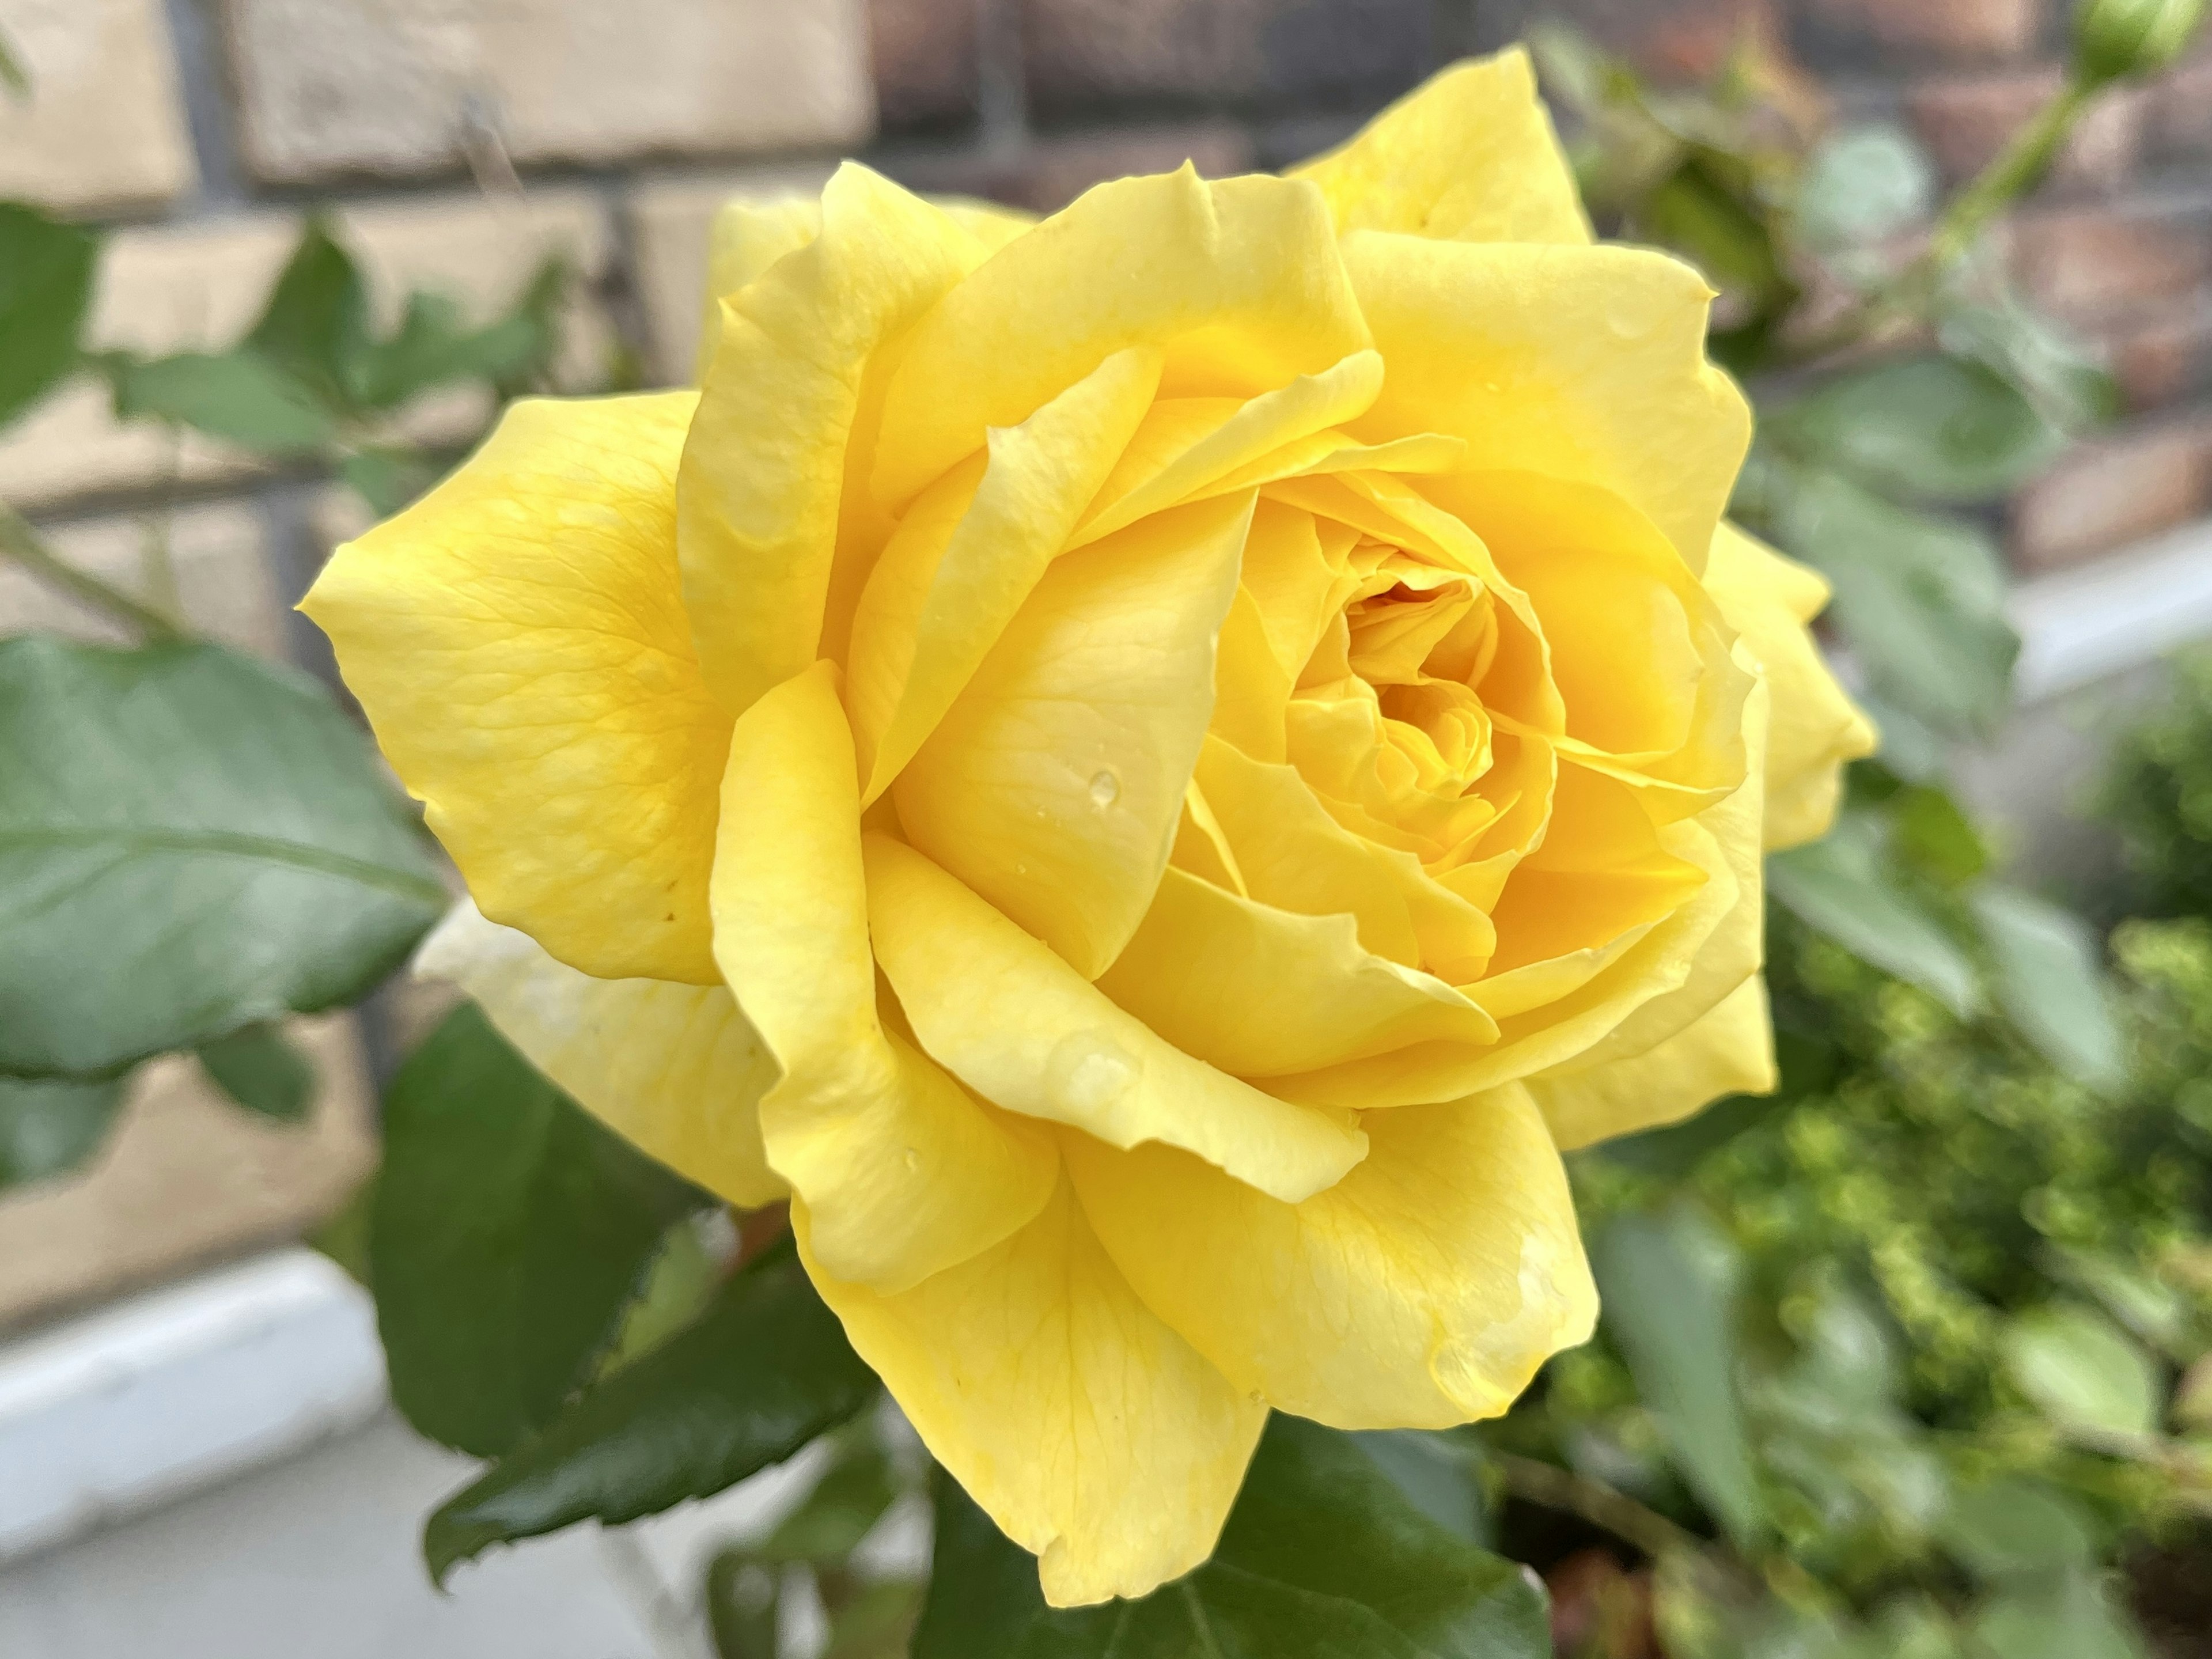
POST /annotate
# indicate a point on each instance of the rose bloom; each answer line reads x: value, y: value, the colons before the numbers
x: 1148, y: 770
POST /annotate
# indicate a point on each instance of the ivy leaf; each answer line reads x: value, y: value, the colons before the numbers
x: 1322, y: 1559
x: 240, y: 397
x: 259, y: 1069
x: 1668, y: 1303
x: 510, y: 1229
x: 1837, y: 887
x: 49, y: 1129
x: 46, y: 288
x: 1920, y: 598
x: 200, y: 827
x: 1948, y: 429
x: 764, y: 1370
x: 2050, y: 983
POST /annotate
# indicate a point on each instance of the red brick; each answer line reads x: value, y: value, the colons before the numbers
x: 1083, y: 53
x: 2112, y: 491
x: 1957, y: 30
x: 2090, y: 263
x: 1672, y: 41
x: 2181, y: 109
x: 2166, y: 360
x: 1048, y: 174
x: 1965, y: 120
x: 926, y: 59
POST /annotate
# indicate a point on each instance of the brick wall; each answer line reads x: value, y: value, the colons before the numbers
x: 465, y: 139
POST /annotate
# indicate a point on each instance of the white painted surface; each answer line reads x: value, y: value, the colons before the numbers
x: 2081, y: 626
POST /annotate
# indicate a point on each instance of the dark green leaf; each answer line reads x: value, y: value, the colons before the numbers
x: 2086, y: 1374
x: 1864, y: 185
x: 2017, y: 1529
x: 1321, y: 1559
x: 389, y: 481
x: 1839, y: 887
x: 743, y: 1604
x: 877, y: 1623
x: 2051, y: 984
x: 240, y: 398
x: 1675, y: 1150
x: 315, y: 325
x: 510, y: 1229
x: 1921, y: 600
x: 1697, y: 215
x: 50, y: 1128
x: 1669, y: 1306
x: 256, y: 1067
x: 1437, y: 1473
x: 46, y: 288
x: 1945, y: 427
x: 843, y: 1508
x: 764, y: 1371
x: 203, y: 829
x: 680, y: 1281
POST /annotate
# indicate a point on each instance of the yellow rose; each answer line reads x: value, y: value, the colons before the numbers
x: 1149, y: 770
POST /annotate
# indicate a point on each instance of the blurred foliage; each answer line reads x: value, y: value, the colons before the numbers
x: 2159, y: 798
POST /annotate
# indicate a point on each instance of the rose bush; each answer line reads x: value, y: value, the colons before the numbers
x: 1148, y: 771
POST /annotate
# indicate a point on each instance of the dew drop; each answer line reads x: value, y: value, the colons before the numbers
x: 1087, y: 1073
x: 913, y: 1158
x: 1105, y: 790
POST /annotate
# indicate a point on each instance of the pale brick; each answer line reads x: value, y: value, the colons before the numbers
x: 104, y: 127
x: 670, y: 224
x: 216, y: 559
x: 1961, y: 30
x: 2111, y: 491
x: 2089, y: 263
x: 187, y: 1178
x: 1965, y: 121
x: 333, y: 87
x: 199, y: 287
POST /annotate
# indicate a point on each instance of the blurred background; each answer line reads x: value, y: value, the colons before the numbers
x: 194, y: 1441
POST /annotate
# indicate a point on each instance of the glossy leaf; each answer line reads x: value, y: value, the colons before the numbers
x: 2051, y: 984
x: 2084, y: 1373
x: 510, y: 1229
x: 1671, y: 1312
x: 240, y: 397
x: 259, y: 1069
x: 1322, y: 1559
x: 314, y: 327
x: 1437, y: 1472
x: 1864, y: 185
x: 1945, y: 427
x: 762, y: 1371
x: 205, y: 828
x: 46, y: 288
x: 1839, y: 887
x: 49, y: 1129
x: 1921, y: 600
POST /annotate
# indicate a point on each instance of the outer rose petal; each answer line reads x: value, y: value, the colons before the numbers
x: 1022, y: 1028
x: 1469, y: 156
x: 1586, y: 364
x: 747, y: 237
x: 904, y: 1171
x: 766, y: 496
x: 676, y: 1068
x: 1423, y: 1290
x: 1729, y: 1051
x: 1813, y: 728
x: 1096, y: 1437
x: 519, y: 639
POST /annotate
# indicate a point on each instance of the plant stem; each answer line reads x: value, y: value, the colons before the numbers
x: 22, y: 544
x: 1555, y: 1488
x: 2002, y: 182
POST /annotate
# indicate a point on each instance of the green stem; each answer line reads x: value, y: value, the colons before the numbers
x: 22, y: 544
x: 1996, y: 187
x: 1602, y: 1506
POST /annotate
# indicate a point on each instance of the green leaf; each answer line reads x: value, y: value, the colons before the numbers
x: 2051, y: 984
x: 13, y: 76
x: 2058, y: 373
x: 2016, y: 1528
x: 50, y: 1128
x: 203, y: 829
x: 1436, y: 1473
x: 387, y: 480
x: 878, y: 1623
x: 1839, y: 887
x: 1921, y: 600
x: 1321, y: 1559
x: 240, y: 397
x: 1933, y: 833
x: 434, y: 346
x: 742, y: 1606
x: 314, y: 326
x: 1696, y: 214
x: 2070, y: 1619
x: 2146, y: 1305
x: 2084, y: 1373
x: 1670, y: 1307
x: 1864, y: 185
x: 1946, y: 428
x: 680, y: 1281
x: 260, y: 1070
x: 511, y: 1228
x: 762, y: 1371
x: 852, y: 1496
x: 46, y: 288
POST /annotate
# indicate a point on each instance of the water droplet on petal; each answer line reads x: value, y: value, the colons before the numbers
x: 1087, y: 1073
x: 913, y: 1158
x: 1105, y: 790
